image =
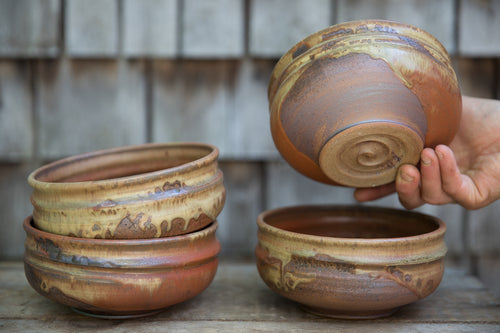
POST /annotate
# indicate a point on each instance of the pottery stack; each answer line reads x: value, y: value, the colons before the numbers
x: 348, y: 106
x: 125, y: 232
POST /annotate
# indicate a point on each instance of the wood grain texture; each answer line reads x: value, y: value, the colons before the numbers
x: 15, y: 206
x: 248, y: 132
x: 16, y: 103
x: 91, y: 28
x: 213, y: 29
x: 87, y: 105
x: 190, y: 102
x: 275, y: 26
x: 478, y: 26
x: 237, y: 223
x: 150, y: 28
x: 30, y: 28
x: 436, y: 17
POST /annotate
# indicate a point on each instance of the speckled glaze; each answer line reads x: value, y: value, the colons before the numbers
x: 120, y: 278
x: 133, y: 192
x: 350, y: 261
x: 351, y: 103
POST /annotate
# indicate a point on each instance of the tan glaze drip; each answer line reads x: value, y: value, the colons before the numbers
x: 180, y: 225
x: 412, y: 57
x: 279, y: 272
x: 286, y: 273
x: 128, y: 192
x: 350, y: 261
x: 139, y: 225
x: 120, y: 278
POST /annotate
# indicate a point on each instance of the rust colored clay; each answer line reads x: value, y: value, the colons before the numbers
x: 144, y: 191
x: 120, y: 278
x: 351, y: 103
x: 352, y: 262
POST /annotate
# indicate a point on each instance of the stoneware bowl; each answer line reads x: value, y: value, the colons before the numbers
x: 351, y: 103
x: 350, y: 261
x: 143, y: 191
x: 120, y: 278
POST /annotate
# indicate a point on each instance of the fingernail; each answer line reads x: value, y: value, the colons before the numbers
x: 406, y: 177
x: 426, y: 161
x: 439, y: 154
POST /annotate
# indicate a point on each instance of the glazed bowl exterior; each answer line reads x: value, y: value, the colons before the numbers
x: 128, y: 278
x: 350, y: 261
x: 351, y: 103
x: 144, y: 191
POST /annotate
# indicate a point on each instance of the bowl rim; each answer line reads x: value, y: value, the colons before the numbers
x: 279, y: 68
x: 105, y: 242
x: 307, y: 238
x: 207, y: 159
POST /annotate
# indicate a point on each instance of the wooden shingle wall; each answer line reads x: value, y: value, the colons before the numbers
x: 81, y: 75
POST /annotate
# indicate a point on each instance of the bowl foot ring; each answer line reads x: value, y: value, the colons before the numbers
x: 349, y: 315
x: 118, y: 316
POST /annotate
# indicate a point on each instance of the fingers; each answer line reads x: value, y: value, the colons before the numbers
x: 431, y: 187
x: 408, y: 186
x: 451, y: 178
x: 459, y: 187
x: 373, y: 193
x: 438, y: 181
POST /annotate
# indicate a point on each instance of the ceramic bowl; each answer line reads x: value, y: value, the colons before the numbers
x: 350, y: 261
x: 120, y: 278
x: 143, y: 191
x: 351, y: 103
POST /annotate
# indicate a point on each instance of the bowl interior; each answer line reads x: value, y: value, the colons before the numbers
x: 352, y: 222
x: 122, y: 162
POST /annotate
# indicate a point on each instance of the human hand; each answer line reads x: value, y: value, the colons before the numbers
x: 467, y: 172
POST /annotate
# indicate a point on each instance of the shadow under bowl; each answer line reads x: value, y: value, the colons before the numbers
x: 144, y: 191
x: 355, y: 262
x: 120, y: 278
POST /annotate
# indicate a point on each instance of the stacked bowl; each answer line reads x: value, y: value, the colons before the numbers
x: 125, y: 232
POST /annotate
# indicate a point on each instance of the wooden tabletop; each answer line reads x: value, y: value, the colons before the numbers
x: 238, y: 301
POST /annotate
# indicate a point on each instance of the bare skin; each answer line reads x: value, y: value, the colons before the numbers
x: 466, y: 172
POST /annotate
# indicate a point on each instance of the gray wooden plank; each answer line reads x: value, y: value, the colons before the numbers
x: 488, y: 270
x: 436, y: 17
x: 190, y: 101
x: 237, y: 223
x: 213, y: 29
x: 87, y: 105
x: 15, y: 206
x: 478, y: 26
x: 485, y: 229
x: 255, y: 326
x: 286, y: 187
x: 275, y: 26
x: 221, y: 102
x: 248, y: 130
x: 476, y: 76
x: 150, y: 28
x: 30, y: 28
x: 91, y: 28
x: 16, y: 123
